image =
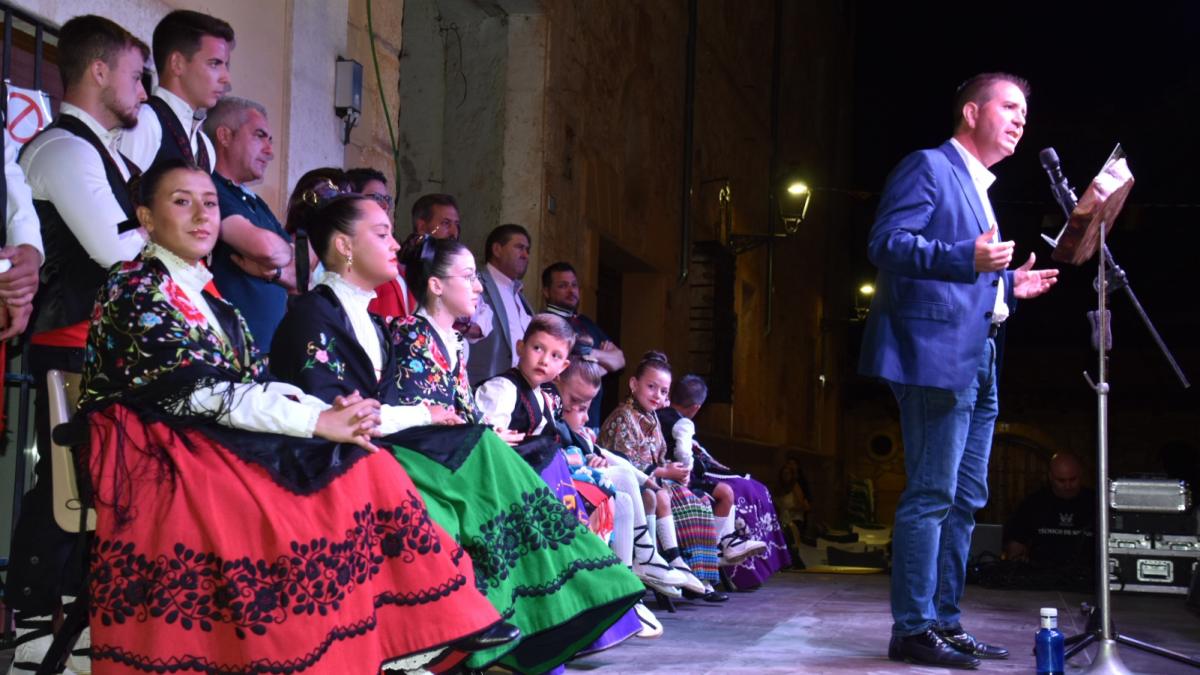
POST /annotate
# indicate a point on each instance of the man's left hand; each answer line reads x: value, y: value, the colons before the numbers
x: 1030, y: 283
x: 20, y: 282
x: 14, y: 319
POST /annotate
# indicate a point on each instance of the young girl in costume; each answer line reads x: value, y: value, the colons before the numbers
x: 686, y: 532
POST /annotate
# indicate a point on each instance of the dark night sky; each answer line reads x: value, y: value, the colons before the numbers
x: 1099, y: 75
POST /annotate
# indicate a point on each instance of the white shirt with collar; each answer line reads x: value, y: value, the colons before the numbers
x: 354, y: 301
x: 276, y: 407
x: 65, y: 170
x: 21, y: 220
x: 514, y: 309
x: 983, y: 179
x: 142, y: 142
x: 497, y: 398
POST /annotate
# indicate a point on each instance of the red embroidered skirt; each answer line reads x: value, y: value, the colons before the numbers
x: 201, y: 562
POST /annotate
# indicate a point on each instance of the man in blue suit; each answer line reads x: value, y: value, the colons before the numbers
x: 943, y: 291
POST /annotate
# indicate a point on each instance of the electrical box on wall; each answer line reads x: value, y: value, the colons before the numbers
x: 348, y: 86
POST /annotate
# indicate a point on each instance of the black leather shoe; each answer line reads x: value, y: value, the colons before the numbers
x: 501, y: 633
x: 711, y: 596
x: 929, y: 649
x: 967, y: 644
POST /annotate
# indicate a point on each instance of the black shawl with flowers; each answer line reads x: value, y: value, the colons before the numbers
x: 315, y: 348
x: 149, y: 348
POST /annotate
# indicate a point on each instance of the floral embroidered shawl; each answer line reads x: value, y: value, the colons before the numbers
x: 635, y: 434
x: 147, y: 335
x: 423, y: 369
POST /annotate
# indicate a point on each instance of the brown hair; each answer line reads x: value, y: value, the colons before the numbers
x: 90, y: 38
x: 978, y: 90
x: 653, y: 359
x: 582, y: 364
x: 553, y: 325
x: 181, y: 31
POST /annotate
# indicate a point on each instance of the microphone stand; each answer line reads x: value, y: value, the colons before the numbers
x: 1100, y: 628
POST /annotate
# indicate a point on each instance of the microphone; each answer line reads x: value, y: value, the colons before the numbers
x: 1063, y: 194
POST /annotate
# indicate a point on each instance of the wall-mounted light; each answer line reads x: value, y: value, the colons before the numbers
x: 347, y: 94
x: 791, y: 198
x: 793, y: 205
x: 862, y: 301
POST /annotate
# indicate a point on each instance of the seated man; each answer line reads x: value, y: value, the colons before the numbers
x: 1055, y: 525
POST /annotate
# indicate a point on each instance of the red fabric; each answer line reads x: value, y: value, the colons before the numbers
x: 73, y: 336
x: 393, y: 300
x: 600, y: 520
x: 223, y: 570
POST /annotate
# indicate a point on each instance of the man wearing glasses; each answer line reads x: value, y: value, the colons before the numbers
x: 371, y: 183
x: 252, y: 262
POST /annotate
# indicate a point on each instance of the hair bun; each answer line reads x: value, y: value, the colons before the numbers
x: 653, y: 356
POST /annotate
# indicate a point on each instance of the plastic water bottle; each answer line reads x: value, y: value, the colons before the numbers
x: 1048, y: 644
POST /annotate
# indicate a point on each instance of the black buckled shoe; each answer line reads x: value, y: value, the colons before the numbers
x: 967, y: 644
x: 499, y: 634
x: 709, y: 596
x: 930, y: 649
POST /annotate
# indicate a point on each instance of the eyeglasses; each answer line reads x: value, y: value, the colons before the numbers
x: 383, y: 200
x: 469, y: 278
x: 321, y: 193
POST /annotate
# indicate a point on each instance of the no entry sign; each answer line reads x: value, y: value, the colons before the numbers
x: 28, y: 113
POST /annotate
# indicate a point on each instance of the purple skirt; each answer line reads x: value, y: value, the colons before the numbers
x: 557, y: 475
x: 755, y: 508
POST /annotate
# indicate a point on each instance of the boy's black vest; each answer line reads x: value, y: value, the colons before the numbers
x: 667, y: 417
x: 527, y: 414
x: 175, y: 143
x: 70, y: 278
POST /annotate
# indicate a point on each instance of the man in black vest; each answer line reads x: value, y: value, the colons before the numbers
x: 191, y: 54
x: 20, y: 241
x: 80, y: 191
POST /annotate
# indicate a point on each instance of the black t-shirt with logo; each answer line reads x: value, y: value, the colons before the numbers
x: 1059, y: 531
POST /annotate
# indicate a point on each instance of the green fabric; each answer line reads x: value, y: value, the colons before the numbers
x: 536, y: 563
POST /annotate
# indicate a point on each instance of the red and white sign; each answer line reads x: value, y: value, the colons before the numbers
x: 28, y: 113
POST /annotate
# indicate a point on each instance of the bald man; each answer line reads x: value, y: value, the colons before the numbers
x: 1055, y: 525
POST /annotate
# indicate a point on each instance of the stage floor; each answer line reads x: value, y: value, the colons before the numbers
x: 824, y: 623
x: 811, y: 623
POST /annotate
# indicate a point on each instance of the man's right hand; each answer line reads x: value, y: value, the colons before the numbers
x: 992, y: 256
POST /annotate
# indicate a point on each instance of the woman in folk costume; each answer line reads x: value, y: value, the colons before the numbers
x: 242, y: 525
x: 537, y: 564
x: 687, y: 535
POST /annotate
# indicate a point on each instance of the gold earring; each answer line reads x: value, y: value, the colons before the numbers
x: 349, y: 260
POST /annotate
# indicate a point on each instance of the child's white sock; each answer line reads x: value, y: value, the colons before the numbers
x: 666, y: 533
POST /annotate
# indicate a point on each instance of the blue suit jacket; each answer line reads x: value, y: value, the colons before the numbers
x: 931, y: 311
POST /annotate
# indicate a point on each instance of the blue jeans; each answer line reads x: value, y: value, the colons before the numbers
x: 947, y: 440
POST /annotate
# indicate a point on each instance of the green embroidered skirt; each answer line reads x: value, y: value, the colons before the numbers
x: 541, y: 568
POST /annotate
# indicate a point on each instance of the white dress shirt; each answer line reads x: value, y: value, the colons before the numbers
x: 354, y: 300
x: 276, y: 407
x: 65, y: 170
x: 22, y: 225
x: 983, y: 179
x: 142, y: 142
x: 514, y: 309
x: 497, y: 398
x: 683, y: 433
